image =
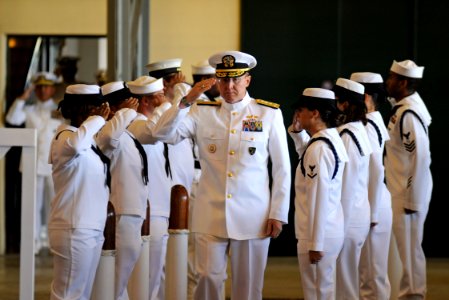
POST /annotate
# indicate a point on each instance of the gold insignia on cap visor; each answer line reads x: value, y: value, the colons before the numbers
x: 228, y: 61
x: 221, y: 73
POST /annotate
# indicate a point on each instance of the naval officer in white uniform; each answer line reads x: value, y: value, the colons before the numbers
x: 235, y: 212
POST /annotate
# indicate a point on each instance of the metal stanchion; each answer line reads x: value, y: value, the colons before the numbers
x: 104, y: 284
x: 138, y: 287
x: 176, y: 265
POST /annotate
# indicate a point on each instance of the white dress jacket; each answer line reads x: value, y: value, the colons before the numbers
x: 235, y: 142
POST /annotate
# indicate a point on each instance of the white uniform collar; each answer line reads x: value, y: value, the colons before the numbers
x: 334, y: 137
x: 47, y: 104
x: 238, y: 105
x: 377, y: 118
x: 416, y: 101
x: 359, y: 130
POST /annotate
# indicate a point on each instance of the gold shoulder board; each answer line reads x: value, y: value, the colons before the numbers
x: 268, y: 103
x: 208, y: 103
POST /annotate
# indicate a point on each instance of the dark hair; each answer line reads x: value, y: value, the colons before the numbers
x: 356, y: 111
x: 328, y: 113
x: 75, y: 112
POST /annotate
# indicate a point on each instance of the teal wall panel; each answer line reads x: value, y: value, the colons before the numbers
x: 300, y: 44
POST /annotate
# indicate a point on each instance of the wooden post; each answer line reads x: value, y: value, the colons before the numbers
x: 138, y: 287
x: 104, y: 282
x: 176, y: 265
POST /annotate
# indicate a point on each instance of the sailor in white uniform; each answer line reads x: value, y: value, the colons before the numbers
x: 235, y: 211
x: 129, y: 188
x: 78, y: 210
x: 43, y: 116
x: 374, y: 283
x: 152, y: 102
x: 202, y: 70
x: 318, y: 211
x: 180, y: 155
x: 409, y: 180
x: 354, y: 194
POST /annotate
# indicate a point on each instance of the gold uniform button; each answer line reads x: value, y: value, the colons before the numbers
x: 229, y: 196
x: 230, y: 174
x: 232, y: 152
x: 233, y: 131
x: 234, y: 113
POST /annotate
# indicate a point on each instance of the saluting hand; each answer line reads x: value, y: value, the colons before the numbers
x: 103, y: 111
x: 132, y: 103
x: 199, y: 88
x: 296, y: 125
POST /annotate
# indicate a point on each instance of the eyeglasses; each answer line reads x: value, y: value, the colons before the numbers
x: 234, y: 80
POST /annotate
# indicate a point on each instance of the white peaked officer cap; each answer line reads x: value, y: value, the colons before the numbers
x: 145, y: 85
x: 366, y: 77
x: 407, y: 68
x: 44, y: 78
x: 203, y: 68
x: 165, y: 67
x: 232, y: 63
x: 83, y: 89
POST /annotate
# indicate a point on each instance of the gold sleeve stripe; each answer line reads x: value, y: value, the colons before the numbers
x: 268, y: 103
x: 208, y: 103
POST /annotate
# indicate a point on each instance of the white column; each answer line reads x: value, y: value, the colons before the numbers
x: 27, y: 138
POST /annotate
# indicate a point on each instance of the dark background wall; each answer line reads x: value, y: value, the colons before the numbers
x: 301, y: 43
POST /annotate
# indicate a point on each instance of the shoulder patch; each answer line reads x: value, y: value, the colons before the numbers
x: 268, y: 103
x: 208, y: 103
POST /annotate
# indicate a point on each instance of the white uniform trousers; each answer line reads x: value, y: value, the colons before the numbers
x: 128, y: 243
x: 373, y: 268
x: 76, y: 253
x: 408, y: 231
x: 248, y: 262
x: 45, y: 191
x: 158, y: 252
x: 348, y: 263
x: 192, y: 276
x: 318, y: 280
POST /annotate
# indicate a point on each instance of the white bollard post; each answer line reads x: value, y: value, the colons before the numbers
x: 177, y: 247
x: 176, y: 265
x: 138, y: 287
x: 104, y: 280
x: 104, y: 283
